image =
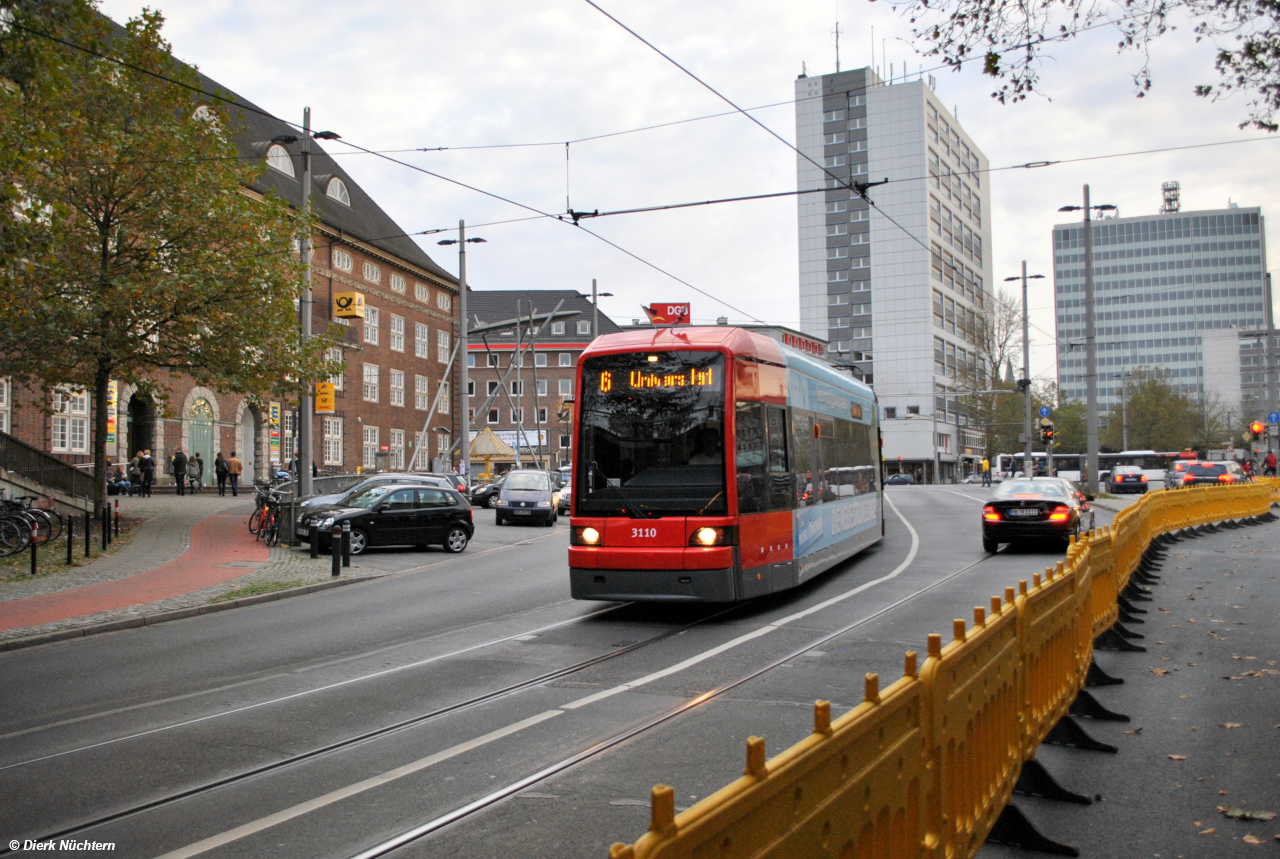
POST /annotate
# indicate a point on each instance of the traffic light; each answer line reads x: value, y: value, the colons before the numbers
x: 1046, y: 430
x: 1257, y: 428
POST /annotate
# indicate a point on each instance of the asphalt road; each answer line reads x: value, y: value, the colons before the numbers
x: 500, y: 679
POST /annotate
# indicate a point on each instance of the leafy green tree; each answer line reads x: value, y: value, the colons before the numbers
x: 1069, y: 426
x: 142, y: 251
x: 1012, y: 38
x: 1158, y: 417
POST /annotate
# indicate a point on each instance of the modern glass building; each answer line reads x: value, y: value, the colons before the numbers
x: 897, y: 289
x: 1160, y: 282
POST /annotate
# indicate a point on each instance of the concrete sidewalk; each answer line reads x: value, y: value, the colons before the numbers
x: 1197, y: 766
x: 188, y: 551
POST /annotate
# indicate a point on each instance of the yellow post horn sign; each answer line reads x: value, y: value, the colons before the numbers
x: 348, y: 305
x: 326, y: 398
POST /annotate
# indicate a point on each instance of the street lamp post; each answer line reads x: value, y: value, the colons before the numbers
x: 1025, y: 381
x: 1090, y: 340
x: 595, y: 308
x: 464, y: 419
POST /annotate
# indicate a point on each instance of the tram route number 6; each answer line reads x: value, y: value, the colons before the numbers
x: 644, y: 532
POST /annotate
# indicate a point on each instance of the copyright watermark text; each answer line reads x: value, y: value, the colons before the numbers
x: 66, y: 844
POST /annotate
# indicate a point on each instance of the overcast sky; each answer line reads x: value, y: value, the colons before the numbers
x: 404, y: 75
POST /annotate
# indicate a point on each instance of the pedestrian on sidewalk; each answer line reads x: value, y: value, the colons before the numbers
x: 134, y: 472
x: 1269, y: 464
x: 195, y: 473
x: 178, y: 468
x: 986, y: 471
x: 234, y: 469
x: 220, y: 470
x: 147, y: 464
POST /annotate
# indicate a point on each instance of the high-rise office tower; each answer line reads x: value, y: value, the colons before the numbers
x: 898, y: 289
x: 1161, y: 282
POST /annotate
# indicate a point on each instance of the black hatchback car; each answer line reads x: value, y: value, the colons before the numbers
x: 1126, y: 478
x: 1213, y: 474
x: 395, y: 515
x: 1033, y: 509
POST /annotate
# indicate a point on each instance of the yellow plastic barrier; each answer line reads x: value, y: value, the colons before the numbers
x: 854, y: 787
x: 1048, y: 636
x: 922, y: 770
x: 973, y: 704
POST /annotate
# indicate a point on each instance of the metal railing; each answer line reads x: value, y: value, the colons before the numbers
x: 34, y: 464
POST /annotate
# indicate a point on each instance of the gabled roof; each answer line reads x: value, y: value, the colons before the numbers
x: 252, y: 131
x: 363, y: 219
x: 498, y: 305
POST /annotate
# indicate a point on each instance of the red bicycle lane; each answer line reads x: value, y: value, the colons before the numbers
x: 216, y: 542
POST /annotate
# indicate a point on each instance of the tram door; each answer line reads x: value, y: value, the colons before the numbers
x: 200, y: 433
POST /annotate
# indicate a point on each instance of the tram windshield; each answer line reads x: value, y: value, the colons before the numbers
x: 651, y: 435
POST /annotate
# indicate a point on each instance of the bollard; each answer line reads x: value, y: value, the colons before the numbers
x: 346, y: 544
x: 88, y: 528
x: 71, y: 537
x: 314, y: 540
x: 106, y: 530
x: 336, y: 552
x: 35, y: 541
x: 117, y: 522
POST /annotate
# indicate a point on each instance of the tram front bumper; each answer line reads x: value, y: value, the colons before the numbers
x: 679, y: 585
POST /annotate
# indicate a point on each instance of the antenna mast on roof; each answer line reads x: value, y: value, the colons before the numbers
x: 1172, y: 198
x: 836, y: 33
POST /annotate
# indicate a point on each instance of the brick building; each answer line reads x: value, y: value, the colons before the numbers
x: 534, y: 405
x: 395, y: 357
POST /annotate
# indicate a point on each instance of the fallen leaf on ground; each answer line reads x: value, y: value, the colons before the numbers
x: 1160, y: 671
x: 1139, y: 730
x: 1177, y: 757
x: 1241, y: 814
x: 1230, y: 725
x: 1223, y: 793
x: 1208, y: 831
x: 1251, y: 839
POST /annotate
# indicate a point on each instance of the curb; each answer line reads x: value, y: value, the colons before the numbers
x: 174, y: 614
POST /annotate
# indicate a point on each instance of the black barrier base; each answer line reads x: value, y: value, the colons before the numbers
x: 1098, y: 677
x: 1125, y: 617
x: 1112, y: 640
x: 1127, y: 607
x: 1232, y: 524
x: 1119, y: 628
x: 1133, y: 593
x: 1069, y: 733
x: 1013, y: 828
x: 1091, y: 708
x: 1035, y: 780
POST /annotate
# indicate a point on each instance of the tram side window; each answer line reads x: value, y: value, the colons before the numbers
x: 826, y: 471
x: 750, y: 458
x: 781, y: 496
x: 802, y: 457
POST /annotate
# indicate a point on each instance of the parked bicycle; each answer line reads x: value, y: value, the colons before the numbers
x: 19, y: 520
x: 268, y: 512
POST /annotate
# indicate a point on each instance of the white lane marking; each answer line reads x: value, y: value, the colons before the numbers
x: 306, y: 692
x: 343, y: 793
x: 764, y: 630
x: 962, y: 495
x: 310, y: 805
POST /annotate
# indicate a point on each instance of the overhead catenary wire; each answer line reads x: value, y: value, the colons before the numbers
x: 387, y: 157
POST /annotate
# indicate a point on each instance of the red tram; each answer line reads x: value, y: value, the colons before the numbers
x: 716, y: 464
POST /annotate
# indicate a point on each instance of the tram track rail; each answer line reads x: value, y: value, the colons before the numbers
x: 486, y: 801
x: 366, y: 736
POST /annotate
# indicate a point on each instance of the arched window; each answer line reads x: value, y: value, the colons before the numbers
x: 278, y: 158
x: 337, y: 189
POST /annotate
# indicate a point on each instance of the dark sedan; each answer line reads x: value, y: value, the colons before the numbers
x: 1030, y: 510
x: 1213, y: 474
x: 899, y: 480
x: 486, y: 495
x: 388, y: 479
x: 395, y: 515
x: 1126, y: 478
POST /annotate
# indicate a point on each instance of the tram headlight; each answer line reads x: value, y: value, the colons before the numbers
x: 709, y: 535
x: 584, y: 535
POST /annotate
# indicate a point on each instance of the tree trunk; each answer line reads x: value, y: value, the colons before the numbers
x: 101, y: 381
